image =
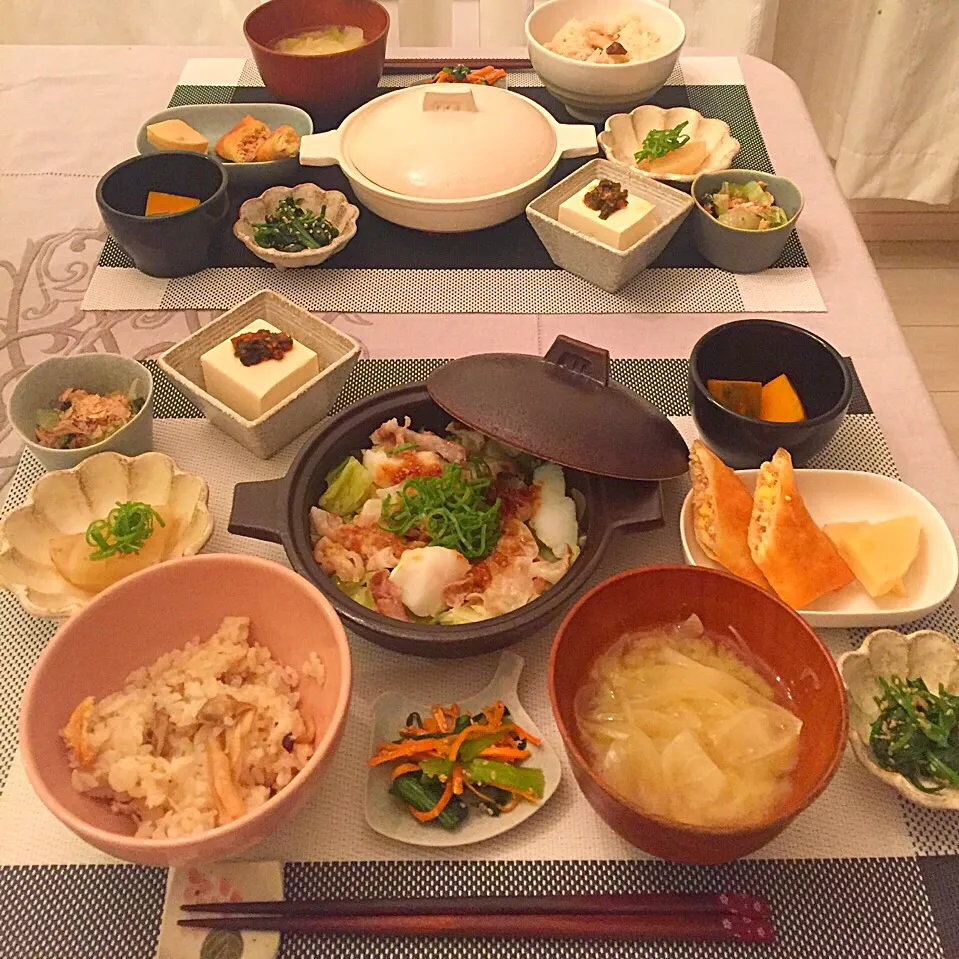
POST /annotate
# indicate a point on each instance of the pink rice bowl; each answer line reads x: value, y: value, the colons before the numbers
x: 131, y: 625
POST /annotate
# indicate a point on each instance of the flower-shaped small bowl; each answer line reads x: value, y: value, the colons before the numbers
x: 624, y: 133
x: 927, y: 654
x: 339, y: 211
x: 67, y: 501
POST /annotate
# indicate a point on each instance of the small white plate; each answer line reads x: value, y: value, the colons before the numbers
x: 837, y: 496
x: 386, y: 814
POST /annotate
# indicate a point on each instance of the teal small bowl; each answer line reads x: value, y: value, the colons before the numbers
x: 102, y: 373
x: 733, y: 249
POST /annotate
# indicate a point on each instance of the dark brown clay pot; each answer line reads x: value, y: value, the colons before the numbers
x: 328, y: 86
x: 642, y: 598
x: 278, y: 511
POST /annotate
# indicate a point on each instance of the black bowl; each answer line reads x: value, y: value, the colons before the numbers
x: 278, y: 511
x: 173, y: 244
x: 762, y: 350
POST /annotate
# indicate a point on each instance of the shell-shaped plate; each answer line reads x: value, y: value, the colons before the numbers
x: 624, y: 134
x: 67, y: 501
x: 927, y: 654
x: 339, y: 211
x: 386, y: 814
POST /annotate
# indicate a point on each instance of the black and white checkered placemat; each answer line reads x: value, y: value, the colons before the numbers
x: 869, y: 906
x: 505, y: 269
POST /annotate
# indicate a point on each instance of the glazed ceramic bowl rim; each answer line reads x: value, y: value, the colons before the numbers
x: 551, y: 55
x: 133, y: 844
x: 313, y: 57
x: 152, y: 158
x: 101, y: 446
x: 785, y: 814
x: 791, y: 222
x: 353, y: 172
x: 836, y: 409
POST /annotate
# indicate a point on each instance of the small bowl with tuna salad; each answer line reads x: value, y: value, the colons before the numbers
x: 70, y: 407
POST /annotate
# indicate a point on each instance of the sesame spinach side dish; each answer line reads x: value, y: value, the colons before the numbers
x: 916, y: 733
x: 292, y: 229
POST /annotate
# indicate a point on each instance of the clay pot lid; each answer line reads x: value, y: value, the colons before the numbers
x: 450, y: 141
x: 562, y: 408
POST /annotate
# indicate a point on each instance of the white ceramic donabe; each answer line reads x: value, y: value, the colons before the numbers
x: 928, y: 655
x: 386, y: 814
x: 68, y: 501
x: 624, y: 134
x: 839, y: 496
x: 593, y: 91
x: 448, y: 158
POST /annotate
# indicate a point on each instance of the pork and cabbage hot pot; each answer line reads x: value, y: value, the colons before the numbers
x: 435, y: 538
x: 445, y: 529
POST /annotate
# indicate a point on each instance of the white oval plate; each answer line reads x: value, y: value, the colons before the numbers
x: 386, y: 814
x: 837, y: 496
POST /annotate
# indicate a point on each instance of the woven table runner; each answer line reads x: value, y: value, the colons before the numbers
x: 862, y: 874
x: 504, y: 269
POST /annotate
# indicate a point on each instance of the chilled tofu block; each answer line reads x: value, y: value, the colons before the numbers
x: 620, y: 230
x: 879, y: 554
x: 255, y: 389
x: 176, y: 135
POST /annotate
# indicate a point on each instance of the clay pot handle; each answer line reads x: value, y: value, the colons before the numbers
x: 256, y: 510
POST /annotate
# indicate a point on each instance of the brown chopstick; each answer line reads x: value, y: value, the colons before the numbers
x: 688, y: 925
x: 632, y: 904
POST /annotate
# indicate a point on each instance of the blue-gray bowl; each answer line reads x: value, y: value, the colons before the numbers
x: 102, y: 373
x: 743, y: 251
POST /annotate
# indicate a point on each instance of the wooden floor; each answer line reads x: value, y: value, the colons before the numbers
x: 922, y: 283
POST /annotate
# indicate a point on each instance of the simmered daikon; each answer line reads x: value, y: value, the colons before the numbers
x: 677, y: 722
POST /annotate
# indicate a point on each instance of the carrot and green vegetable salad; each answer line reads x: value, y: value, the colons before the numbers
x: 454, y: 759
x: 485, y: 76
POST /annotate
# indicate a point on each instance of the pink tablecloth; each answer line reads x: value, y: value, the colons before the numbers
x: 71, y: 112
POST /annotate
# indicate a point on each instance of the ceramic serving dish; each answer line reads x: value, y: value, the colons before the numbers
x: 338, y: 210
x: 420, y: 157
x: 640, y: 599
x: 101, y: 373
x: 762, y: 350
x: 559, y: 408
x: 387, y: 815
x: 68, y: 501
x: 337, y: 353
x: 624, y: 134
x: 835, y: 496
x: 214, y: 119
x: 927, y: 654
x: 328, y: 86
x: 159, y: 610
x: 743, y: 251
x: 593, y: 91
x: 596, y: 262
x: 171, y: 244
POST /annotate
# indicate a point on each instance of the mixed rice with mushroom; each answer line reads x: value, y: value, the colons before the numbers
x: 208, y: 733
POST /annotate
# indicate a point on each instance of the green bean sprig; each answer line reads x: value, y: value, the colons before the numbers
x: 125, y: 530
x: 449, y: 510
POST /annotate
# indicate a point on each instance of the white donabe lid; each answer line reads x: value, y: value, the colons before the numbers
x: 450, y: 141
